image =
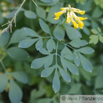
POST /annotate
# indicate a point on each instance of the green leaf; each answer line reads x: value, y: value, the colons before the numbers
x: 15, y: 93
x: 41, y: 12
x: 39, y: 44
x: 59, y: 33
x: 50, y: 45
x: 47, y: 1
x: 86, y: 30
x: 64, y: 74
x: 77, y: 59
x: 10, y: 15
x: 49, y: 61
x: 96, y: 2
x: 30, y: 14
x: 94, y: 31
x: 4, y: 38
x: 86, y: 63
x: 66, y: 53
x: 75, y: 88
x: 44, y: 51
x: 18, y: 36
x: 30, y: 32
x: 56, y: 82
x: 44, y: 26
x: 36, y: 94
x: 97, y: 12
x: 72, y: 33
x: 101, y: 5
x: 86, y: 50
x: 27, y: 43
x: 71, y: 67
x: 99, y: 29
x: 47, y: 4
x: 94, y: 24
x: 101, y: 38
x: 3, y: 82
x: 20, y: 76
x: 87, y: 6
x: 86, y: 23
x: 47, y: 72
x: 99, y: 81
x: 81, y: 1
x: 17, y: 53
x: 93, y: 39
x: 37, y: 63
x: 78, y: 43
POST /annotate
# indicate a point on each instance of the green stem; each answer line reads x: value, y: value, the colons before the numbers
x: 34, y: 3
x: 64, y: 22
x: 31, y: 21
x: 64, y: 43
x: 70, y: 47
x: 67, y: 45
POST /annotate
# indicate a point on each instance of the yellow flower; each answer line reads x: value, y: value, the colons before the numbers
x: 75, y: 24
x: 71, y: 16
x: 68, y: 17
x: 81, y: 18
x: 81, y: 24
x: 58, y: 14
x: 79, y: 11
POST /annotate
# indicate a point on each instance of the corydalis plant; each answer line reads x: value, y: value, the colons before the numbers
x: 59, y: 56
x: 71, y: 16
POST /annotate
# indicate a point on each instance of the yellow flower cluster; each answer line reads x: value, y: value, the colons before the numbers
x: 71, y: 16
